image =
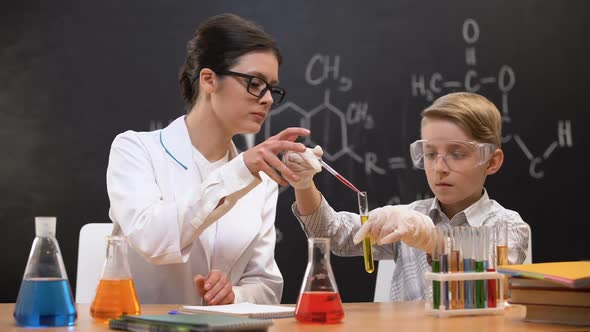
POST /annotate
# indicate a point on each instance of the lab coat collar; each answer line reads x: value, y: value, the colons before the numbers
x: 176, y: 142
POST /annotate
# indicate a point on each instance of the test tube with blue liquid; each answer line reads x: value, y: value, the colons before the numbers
x: 45, y: 298
x: 367, y: 248
x: 468, y: 266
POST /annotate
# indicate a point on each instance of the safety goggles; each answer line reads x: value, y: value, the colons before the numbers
x: 458, y: 155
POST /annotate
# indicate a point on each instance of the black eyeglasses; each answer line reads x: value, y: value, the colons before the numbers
x: 258, y: 86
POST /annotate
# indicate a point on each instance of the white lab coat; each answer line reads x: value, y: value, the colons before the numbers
x: 164, y: 204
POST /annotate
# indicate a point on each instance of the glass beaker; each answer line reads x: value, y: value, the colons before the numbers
x: 319, y: 300
x: 115, y: 294
x: 45, y: 297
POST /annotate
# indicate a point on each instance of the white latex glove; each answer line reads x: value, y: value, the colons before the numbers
x: 389, y: 224
x: 305, y: 165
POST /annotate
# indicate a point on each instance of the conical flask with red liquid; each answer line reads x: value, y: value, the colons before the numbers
x: 45, y: 298
x: 115, y: 294
x: 319, y: 300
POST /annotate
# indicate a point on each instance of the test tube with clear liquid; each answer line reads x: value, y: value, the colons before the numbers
x: 367, y: 247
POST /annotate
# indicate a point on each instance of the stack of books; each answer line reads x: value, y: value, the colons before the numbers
x: 552, y: 292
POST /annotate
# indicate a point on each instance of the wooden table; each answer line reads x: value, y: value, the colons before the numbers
x: 401, y: 316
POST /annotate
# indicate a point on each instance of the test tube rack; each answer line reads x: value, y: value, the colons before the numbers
x: 442, y: 311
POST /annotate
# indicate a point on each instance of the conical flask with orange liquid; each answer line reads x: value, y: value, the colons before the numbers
x: 115, y: 294
x: 319, y: 300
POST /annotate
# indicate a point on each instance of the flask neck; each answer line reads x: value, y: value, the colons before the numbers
x: 116, y: 266
x: 45, y: 260
x: 319, y: 252
x: 318, y: 274
x: 45, y: 226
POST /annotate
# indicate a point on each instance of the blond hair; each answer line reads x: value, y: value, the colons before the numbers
x: 474, y: 113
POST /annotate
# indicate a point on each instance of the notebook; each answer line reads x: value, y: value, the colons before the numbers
x: 572, y: 274
x: 244, y: 309
x: 186, y: 323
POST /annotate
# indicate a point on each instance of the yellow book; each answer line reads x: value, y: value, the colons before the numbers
x: 572, y: 274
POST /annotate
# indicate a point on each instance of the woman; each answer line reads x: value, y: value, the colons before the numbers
x: 198, y: 215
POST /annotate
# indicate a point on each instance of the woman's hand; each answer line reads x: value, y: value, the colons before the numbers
x: 263, y: 157
x: 215, y: 288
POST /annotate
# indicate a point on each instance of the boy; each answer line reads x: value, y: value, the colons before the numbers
x: 460, y: 147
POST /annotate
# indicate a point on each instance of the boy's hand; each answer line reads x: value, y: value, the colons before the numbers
x: 263, y: 157
x: 305, y: 165
x: 389, y: 224
x: 215, y: 288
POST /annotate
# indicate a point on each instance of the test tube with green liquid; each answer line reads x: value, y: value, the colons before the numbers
x: 436, y: 250
x: 367, y: 248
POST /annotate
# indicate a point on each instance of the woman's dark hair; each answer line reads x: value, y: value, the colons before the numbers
x: 217, y: 44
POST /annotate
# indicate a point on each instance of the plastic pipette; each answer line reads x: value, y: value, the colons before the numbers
x: 339, y: 177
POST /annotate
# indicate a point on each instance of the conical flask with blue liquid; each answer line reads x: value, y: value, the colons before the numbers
x: 45, y: 297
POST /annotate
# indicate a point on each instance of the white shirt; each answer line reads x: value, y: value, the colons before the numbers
x: 408, y: 283
x: 164, y: 203
x: 205, y: 167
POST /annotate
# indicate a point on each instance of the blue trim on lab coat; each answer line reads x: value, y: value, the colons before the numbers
x: 170, y: 154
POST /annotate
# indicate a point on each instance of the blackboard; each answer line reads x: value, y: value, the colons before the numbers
x: 73, y: 74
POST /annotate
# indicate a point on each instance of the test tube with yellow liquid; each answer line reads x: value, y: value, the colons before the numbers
x: 502, y: 252
x: 367, y: 248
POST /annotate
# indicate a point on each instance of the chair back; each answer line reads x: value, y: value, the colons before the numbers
x: 529, y: 251
x: 383, y: 285
x: 92, y: 247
